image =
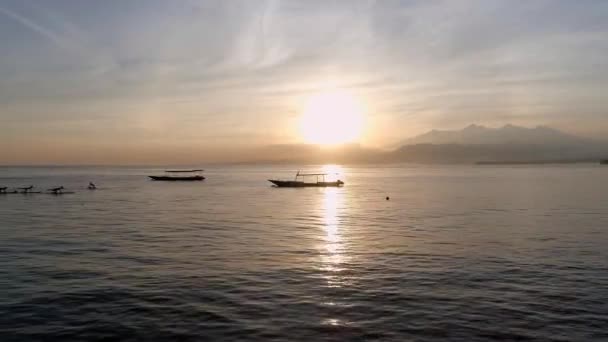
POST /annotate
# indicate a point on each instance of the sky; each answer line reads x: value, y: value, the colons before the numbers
x: 126, y: 81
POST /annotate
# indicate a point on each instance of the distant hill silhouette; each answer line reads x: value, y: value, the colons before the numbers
x: 507, y: 144
x: 313, y: 154
x: 498, y: 153
x: 508, y: 134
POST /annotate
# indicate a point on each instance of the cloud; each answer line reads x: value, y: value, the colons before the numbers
x: 45, y: 32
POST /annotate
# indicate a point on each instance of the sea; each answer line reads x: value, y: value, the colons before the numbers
x: 400, y: 253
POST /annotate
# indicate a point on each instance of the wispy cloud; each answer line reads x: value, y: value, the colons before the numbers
x: 28, y: 23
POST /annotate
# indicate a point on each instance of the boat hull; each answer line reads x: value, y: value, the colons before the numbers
x: 171, y: 179
x: 298, y: 184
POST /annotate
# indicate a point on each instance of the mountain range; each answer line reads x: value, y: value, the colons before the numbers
x: 508, y: 134
x: 472, y: 144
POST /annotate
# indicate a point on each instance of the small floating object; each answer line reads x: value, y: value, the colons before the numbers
x: 92, y: 186
x: 387, y: 198
x: 3, y: 189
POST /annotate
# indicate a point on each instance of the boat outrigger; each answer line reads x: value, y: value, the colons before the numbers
x: 180, y: 175
x: 300, y: 181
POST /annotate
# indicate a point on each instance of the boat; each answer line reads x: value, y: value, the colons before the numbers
x: 179, y: 175
x: 26, y: 190
x: 300, y: 181
x: 58, y: 191
x: 4, y: 191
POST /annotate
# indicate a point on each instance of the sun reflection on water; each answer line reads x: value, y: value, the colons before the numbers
x: 332, y: 258
x: 333, y: 246
x: 332, y: 249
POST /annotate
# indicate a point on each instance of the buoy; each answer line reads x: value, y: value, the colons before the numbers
x: 387, y: 198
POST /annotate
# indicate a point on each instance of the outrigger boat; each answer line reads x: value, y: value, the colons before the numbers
x: 26, y: 190
x: 180, y: 175
x: 58, y: 191
x: 4, y: 191
x: 300, y: 181
x: 29, y: 190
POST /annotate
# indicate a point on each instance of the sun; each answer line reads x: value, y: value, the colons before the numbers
x: 332, y: 118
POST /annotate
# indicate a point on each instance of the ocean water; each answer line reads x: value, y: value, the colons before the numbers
x: 460, y: 253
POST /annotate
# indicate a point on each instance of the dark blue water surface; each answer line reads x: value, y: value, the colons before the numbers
x: 468, y: 253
